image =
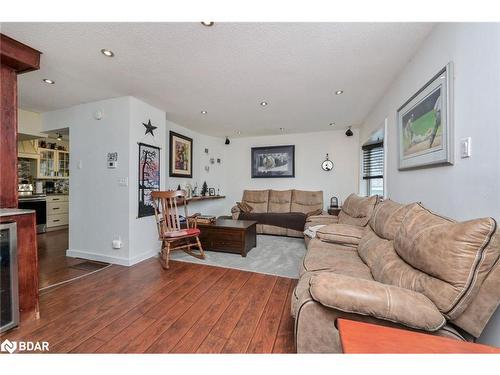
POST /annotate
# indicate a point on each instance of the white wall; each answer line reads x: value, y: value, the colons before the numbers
x: 98, y: 205
x: 310, y: 152
x: 100, y: 208
x: 215, y: 177
x: 471, y: 187
x: 143, y: 235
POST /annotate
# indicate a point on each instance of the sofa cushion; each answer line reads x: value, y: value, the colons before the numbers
x: 368, y: 297
x: 387, y: 217
x: 387, y: 267
x: 322, y: 256
x: 371, y: 247
x: 306, y: 201
x: 322, y: 219
x: 257, y: 199
x: 279, y: 201
x: 341, y: 234
x: 459, y: 254
x: 357, y: 207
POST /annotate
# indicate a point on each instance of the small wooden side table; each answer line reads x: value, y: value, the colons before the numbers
x: 365, y: 338
x: 334, y: 211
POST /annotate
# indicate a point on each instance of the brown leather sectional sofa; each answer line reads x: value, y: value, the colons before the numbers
x: 280, y: 201
x: 407, y: 268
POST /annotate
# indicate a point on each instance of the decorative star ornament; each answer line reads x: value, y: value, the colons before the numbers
x: 149, y: 128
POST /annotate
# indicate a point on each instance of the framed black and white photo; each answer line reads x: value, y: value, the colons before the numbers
x: 149, y: 177
x: 273, y: 161
x: 425, y: 124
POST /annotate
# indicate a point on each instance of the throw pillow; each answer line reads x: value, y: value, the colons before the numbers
x: 244, y: 207
x: 319, y: 211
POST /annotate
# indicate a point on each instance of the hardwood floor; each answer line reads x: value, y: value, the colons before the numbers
x: 53, y: 264
x: 190, y: 308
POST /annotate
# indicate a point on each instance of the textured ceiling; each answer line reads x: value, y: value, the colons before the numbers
x: 227, y: 70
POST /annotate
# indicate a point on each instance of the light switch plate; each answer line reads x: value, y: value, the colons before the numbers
x: 123, y: 181
x: 465, y: 147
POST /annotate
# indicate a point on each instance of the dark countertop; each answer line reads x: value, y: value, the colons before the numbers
x: 14, y: 211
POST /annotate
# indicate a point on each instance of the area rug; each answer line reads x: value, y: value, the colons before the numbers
x: 273, y: 255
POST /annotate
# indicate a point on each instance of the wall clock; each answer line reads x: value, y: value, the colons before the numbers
x: 327, y: 165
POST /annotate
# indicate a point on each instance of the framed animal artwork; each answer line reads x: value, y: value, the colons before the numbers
x: 273, y: 161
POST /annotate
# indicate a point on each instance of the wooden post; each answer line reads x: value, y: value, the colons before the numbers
x: 15, y: 58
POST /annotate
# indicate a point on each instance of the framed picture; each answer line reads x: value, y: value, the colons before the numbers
x: 425, y: 124
x: 181, y: 155
x: 211, y: 192
x: 273, y: 161
x: 149, y: 177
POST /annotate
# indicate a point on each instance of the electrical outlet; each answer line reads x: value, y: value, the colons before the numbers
x: 117, y: 243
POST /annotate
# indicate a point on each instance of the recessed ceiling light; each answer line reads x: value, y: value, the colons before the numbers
x: 207, y: 23
x: 107, y: 52
x: 332, y: 124
x: 204, y: 112
x: 263, y: 104
x: 339, y: 92
x: 49, y: 81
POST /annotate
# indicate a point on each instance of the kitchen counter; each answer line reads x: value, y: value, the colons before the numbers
x: 14, y: 211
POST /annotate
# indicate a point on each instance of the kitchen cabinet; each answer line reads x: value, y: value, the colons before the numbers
x: 53, y: 164
x: 57, y: 210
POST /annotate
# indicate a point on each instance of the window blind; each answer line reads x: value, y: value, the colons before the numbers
x: 373, y: 161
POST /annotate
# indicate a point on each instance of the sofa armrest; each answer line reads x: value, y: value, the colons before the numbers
x: 322, y: 219
x: 343, y: 234
x: 381, y: 301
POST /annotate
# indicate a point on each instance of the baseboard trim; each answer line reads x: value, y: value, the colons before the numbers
x: 143, y: 256
x: 121, y: 261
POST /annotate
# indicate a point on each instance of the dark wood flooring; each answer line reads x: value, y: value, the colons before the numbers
x: 190, y: 308
x: 53, y: 264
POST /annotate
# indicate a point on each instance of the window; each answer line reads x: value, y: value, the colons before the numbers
x: 373, y: 168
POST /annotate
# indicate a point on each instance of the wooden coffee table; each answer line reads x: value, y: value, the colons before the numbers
x: 365, y: 338
x: 230, y: 236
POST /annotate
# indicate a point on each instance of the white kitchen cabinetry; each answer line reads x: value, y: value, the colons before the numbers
x: 53, y: 164
x: 57, y: 210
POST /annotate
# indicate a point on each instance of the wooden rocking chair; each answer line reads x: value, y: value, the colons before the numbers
x: 171, y: 234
